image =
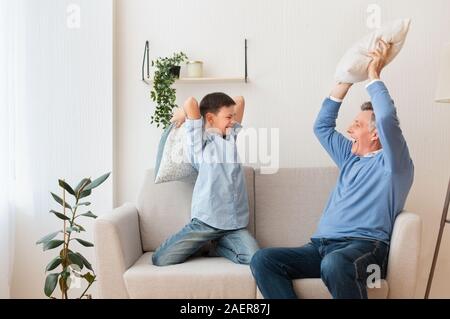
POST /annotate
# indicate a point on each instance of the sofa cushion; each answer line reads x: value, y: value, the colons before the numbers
x: 314, y: 288
x: 289, y: 203
x: 201, y: 277
x: 165, y: 208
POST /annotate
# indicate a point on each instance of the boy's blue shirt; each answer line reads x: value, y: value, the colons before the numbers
x: 371, y: 191
x: 220, y: 197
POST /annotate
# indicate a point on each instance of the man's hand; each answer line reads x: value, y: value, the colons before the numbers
x: 379, y: 59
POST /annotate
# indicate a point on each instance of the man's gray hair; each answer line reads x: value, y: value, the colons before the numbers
x: 367, y: 106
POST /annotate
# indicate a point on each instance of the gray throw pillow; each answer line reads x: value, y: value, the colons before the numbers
x: 171, y: 162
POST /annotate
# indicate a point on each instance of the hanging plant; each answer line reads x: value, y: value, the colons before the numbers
x: 167, y: 70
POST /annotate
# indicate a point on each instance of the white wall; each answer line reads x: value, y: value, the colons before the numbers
x: 293, y: 49
x: 64, y: 125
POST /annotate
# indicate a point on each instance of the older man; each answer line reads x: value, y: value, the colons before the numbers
x: 376, y: 174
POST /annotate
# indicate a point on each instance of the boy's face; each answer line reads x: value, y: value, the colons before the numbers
x: 222, y: 121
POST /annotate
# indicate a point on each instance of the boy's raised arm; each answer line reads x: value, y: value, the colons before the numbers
x: 190, y: 109
x: 194, y: 132
x: 239, y: 108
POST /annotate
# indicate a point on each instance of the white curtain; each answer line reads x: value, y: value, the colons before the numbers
x: 5, y: 158
x: 11, y: 43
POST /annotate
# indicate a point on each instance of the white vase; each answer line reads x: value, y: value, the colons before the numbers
x: 194, y: 69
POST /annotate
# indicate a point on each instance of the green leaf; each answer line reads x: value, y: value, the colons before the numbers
x: 50, y: 284
x: 84, y: 242
x: 84, y: 194
x: 80, y: 227
x: 65, y: 273
x: 59, y: 215
x: 85, y: 262
x: 60, y: 201
x: 75, y: 259
x: 66, y: 186
x: 73, y: 229
x: 89, y: 214
x: 89, y: 277
x: 52, y: 244
x: 97, y: 182
x: 81, y: 204
x: 53, y: 264
x: 82, y: 183
x: 48, y: 237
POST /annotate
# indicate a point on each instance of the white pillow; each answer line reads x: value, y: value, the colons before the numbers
x: 171, y: 162
x: 353, y: 66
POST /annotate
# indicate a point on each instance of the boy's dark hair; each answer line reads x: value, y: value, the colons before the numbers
x: 213, y: 102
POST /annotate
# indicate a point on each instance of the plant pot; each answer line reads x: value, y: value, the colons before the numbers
x: 194, y: 69
x: 175, y: 71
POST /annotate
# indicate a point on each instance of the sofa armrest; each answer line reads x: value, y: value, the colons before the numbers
x: 117, y: 247
x: 404, y: 255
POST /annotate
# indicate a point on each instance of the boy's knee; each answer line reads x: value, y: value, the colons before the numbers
x: 157, y: 260
x: 247, y: 256
x: 244, y: 259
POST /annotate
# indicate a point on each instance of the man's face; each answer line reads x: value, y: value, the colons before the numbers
x: 223, y: 120
x: 363, y: 136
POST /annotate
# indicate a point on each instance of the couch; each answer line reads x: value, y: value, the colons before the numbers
x: 284, y: 210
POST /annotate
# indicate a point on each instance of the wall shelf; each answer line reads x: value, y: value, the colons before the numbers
x: 206, y: 80
x: 146, y: 66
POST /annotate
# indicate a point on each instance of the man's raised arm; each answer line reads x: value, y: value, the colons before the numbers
x: 391, y: 137
x: 337, y: 146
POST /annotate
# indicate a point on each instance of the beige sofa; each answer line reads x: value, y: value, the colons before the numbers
x: 284, y: 210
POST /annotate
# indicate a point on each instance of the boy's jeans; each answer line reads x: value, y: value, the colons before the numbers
x: 235, y: 245
x: 343, y: 264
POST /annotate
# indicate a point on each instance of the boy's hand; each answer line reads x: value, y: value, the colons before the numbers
x: 379, y: 59
x: 178, y: 117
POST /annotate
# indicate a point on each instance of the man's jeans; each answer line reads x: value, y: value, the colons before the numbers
x: 343, y: 264
x: 235, y: 245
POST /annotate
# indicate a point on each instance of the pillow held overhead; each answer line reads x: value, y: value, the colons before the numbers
x: 353, y: 66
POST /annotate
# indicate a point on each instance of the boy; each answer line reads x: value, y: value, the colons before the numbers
x: 219, y: 209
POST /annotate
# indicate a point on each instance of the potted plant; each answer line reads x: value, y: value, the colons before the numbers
x: 70, y: 261
x: 167, y: 70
